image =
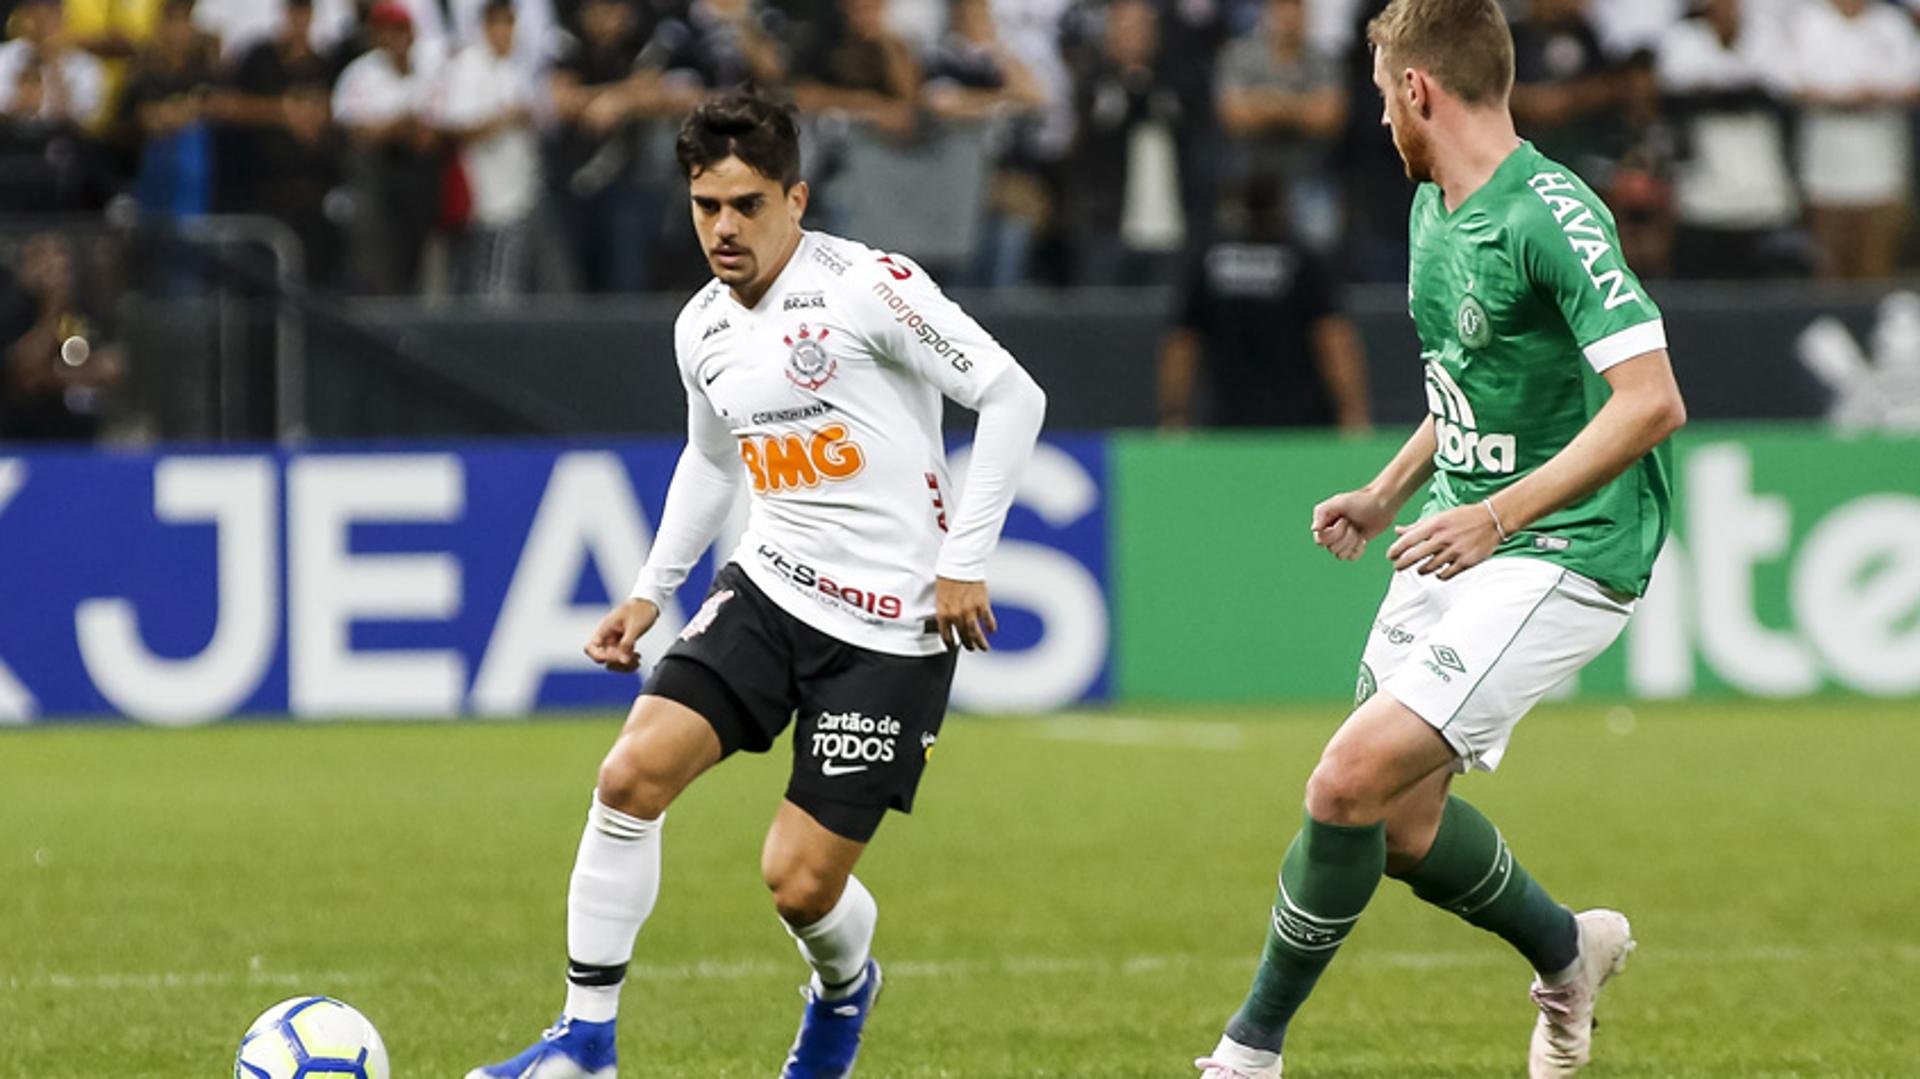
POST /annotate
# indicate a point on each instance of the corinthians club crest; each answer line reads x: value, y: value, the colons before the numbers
x: 808, y: 365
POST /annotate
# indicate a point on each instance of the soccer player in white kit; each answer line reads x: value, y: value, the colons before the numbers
x: 814, y: 369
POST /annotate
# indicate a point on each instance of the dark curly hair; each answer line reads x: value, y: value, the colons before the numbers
x: 743, y: 123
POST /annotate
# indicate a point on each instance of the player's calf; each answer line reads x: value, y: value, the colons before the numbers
x: 1469, y: 870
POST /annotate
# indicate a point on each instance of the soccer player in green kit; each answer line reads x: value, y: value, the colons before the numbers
x: 1548, y: 484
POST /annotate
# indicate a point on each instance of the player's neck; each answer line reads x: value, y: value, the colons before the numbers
x: 749, y: 295
x: 1468, y: 152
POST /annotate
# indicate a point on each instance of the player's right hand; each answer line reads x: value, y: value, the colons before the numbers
x: 1344, y: 523
x: 613, y: 639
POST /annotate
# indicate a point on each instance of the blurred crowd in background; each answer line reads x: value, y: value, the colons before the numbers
x: 502, y: 147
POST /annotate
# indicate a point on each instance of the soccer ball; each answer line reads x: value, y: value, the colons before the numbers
x: 311, y: 1038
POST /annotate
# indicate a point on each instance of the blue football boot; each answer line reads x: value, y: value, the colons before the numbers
x: 570, y: 1049
x: 829, y: 1035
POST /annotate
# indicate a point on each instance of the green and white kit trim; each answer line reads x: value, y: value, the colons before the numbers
x: 1474, y: 654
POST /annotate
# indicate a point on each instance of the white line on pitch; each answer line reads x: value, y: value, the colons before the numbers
x: 1013, y: 966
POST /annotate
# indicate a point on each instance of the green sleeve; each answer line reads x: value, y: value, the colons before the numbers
x: 1570, y: 251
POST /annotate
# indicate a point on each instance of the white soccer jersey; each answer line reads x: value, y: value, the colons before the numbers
x: 828, y: 392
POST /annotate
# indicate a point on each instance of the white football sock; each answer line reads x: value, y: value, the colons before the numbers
x: 616, y: 877
x: 837, y: 945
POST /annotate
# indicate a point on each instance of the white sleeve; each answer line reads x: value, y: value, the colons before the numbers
x: 698, y: 501
x: 350, y: 105
x: 462, y: 97
x: 12, y: 55
x: 86, y: 87
x: 1012, y: 407
x: 910, y: 321
x: 1903, y: 75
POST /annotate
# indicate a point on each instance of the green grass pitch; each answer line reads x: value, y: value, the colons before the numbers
x: 1078, y: 896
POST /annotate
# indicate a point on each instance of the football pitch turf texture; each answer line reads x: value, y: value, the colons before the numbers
x: 1076, y: 896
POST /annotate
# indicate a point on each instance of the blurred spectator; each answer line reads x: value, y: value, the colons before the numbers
x: 1627, y: 27
x: 168, y: 93
x: 537, y: 36
x: 717, y: 44
x: 919, y: 23
x: 1566, y: 94
x: 71, y: 84
x: 610, y: 205
x: 1281, y: 98
x: 282, y: 131
x: 1030, y: 31
x: 44, y: 163
x: 239, y: 25
x: 384, y: 102
x: 864, y: 72
x: 1260, y: 321
x: 1377, y: 195
x: 1191, y: 34
x: 973, y: 77
x: 1123, y: 184
x: 53, y: 361
x: 487, y: 102
x: 1725, y: 82
x: 1858, y: 72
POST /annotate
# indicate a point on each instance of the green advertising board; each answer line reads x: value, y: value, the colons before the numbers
x: 1794, y: 569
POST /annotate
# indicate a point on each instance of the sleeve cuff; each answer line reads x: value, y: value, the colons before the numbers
x: 1623, y: 346
x: 961, y: 569
x: 650, y: 590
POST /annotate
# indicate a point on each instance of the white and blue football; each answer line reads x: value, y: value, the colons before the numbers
x: 311, y: 1038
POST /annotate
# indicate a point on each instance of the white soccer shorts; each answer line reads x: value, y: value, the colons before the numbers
x: 1471, y: 655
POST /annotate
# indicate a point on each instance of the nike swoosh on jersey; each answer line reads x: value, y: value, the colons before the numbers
x: 829, y: 768
x: 708, y: 381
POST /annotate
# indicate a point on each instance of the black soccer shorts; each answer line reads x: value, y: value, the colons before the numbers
x: 866, y: 721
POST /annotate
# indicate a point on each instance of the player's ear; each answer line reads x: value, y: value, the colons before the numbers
x: 1419, y: 90
x: 797, y: 197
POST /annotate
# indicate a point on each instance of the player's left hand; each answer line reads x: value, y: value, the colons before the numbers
x: 964, y: 613
x: 1446, y: 543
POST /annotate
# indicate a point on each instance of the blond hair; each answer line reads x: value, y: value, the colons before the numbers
x: 1463, y: 44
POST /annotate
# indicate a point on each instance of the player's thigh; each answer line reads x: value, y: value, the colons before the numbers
x: 1516, y: 629
x: 663, y: 747
x: 1381, y: 752
x: 1410, y: 609
x: 734, y: 665
x: 866, y: 727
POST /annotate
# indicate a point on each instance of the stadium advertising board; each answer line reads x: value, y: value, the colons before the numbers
x: 185, y: 587
x: 1793, y: 569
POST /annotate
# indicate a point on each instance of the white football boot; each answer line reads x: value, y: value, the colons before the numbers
x: 1231, y: 1060
x: 1563, y: 1035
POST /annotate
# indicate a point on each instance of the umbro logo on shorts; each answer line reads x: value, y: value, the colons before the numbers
x: 1448, y: 658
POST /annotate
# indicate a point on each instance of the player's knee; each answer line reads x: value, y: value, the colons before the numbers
x: 629, y: 785
x: 1342, y: 791
x: 802, y: 893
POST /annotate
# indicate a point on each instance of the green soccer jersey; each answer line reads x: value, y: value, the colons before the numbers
x: 1521, y: 299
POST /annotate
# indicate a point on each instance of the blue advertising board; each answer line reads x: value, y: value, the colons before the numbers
x: 183, y: 587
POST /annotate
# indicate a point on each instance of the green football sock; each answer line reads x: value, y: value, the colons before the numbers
x: 1470, y: 872
x: 1329, y: 874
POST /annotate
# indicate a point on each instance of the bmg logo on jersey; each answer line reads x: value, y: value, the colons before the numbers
x: 792, y: 461
x: 1460, y: 444
x: 848, y: 742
